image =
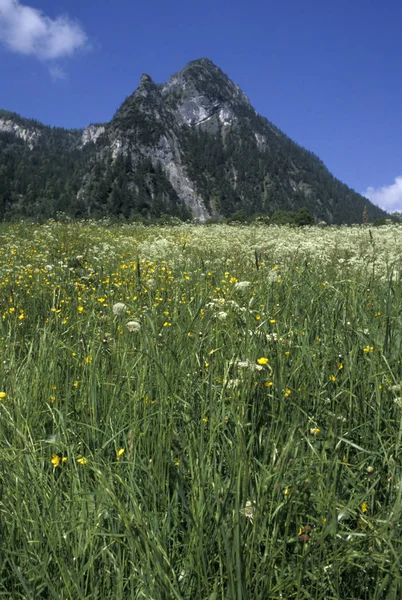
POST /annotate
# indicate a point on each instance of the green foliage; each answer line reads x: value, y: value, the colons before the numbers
x: 242, y: 442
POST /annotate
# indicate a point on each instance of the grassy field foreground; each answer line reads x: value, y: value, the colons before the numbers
x: 200, y: 412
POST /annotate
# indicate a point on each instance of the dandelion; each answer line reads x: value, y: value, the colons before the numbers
x: 287, y: 393
x: 133, y: 326
x: 3, y: 395
x: 332, y: 378
x: 367, y: 349
x: 119, y: 308
x: 263, y: 360
x: 340, y: 366
x: 249, y: 510
x: 268, y: 384
x: 364, y: 507
x: 80, y: 308
x: 76, y: 384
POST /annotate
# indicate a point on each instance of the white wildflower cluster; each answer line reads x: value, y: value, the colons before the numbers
x: 242, y: 285
x: 133, y: 326
x: 119, y: 308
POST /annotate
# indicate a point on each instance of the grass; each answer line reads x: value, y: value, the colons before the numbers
x: 174, y: 461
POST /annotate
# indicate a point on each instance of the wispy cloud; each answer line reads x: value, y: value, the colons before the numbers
x: 57, y: 73
x: 388, y: 197
x: 26, y: 30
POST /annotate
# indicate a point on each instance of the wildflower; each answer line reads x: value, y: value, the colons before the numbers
x: 80, y: 308
x: 368, y: 349
x: 263, y: 360
x: 332, y: 378
x: 314, y: 431
x: 268, y: 384
x: 119, y: 308
x: 76, y: 384
x: 3, y: 395
x: 52, y: 399
x: 304, y: 538
x: 340, y: 366
x: 272, y: 321
x: 242, y: 285
x: 205, y: 419
x: 287, y: 393
x: 82, y: 460
x: 249, y: 510
x: 257, y: 317
x: 370, y: 469
x: 364, y: 507
x: 57, y: 459
x: 120, y: 453
x: 221, y: 315
x: 88, y: 360
x: 133, y: 326
x: 176, y: 462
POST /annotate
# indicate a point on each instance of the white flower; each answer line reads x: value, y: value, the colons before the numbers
x: 221, y: 315
x: 233, y: 383
x: 49, y: 268
x: 133, y: 326
x: 249, y: 510
x: 119, y: 308
x: 241, y: 285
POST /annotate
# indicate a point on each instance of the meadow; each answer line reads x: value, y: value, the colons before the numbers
x: 200, y: 412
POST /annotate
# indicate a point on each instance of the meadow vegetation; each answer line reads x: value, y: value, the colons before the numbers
x: 200, y: 412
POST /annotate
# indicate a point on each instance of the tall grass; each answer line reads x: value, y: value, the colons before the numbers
x: 174, y: 462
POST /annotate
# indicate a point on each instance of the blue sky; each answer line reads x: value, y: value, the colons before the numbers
x: 327, y: 73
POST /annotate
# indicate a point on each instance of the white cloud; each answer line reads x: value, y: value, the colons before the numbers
x: 388, y: 197
x: 28, y: 31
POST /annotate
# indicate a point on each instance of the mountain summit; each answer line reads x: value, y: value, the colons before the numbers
x: 193, y: 147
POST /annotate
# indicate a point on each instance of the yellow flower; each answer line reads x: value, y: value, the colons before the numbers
x: 52, y: 399
x: 314, y: 431
x: 364, y: 507
x: 120, y: 453
x: 88, y: 360
x: 268, y: 384
x: 368, y: 349
x: 287, y: 393
x: 272, y: 321
x: 205, y: 419
x: 3, y: 395
x: 177, y: 462
x: 257, y: 317
x: 340, y: 366
x: 76, y: 384
x: 332, y: 378
x: 82, y: 460
x: 57, y: 459
x: 80, y: 308
x: 263, y: 360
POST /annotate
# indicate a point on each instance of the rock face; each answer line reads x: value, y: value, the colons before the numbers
x: 28, y: 135
x: 193, y: 147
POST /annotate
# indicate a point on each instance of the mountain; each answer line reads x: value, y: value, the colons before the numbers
x: 193, y: 148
